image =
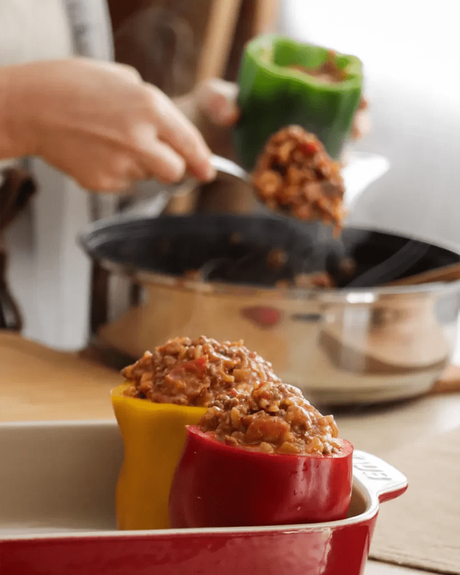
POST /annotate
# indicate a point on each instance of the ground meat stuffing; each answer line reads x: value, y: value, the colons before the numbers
x: 277, y: 259
x: 327, y: 72
x: 272, y: 418
x: 194, y: 275
x: 295, y: 174
x: 321, y: 280
x: 186, y: 372
x: 314, y: 280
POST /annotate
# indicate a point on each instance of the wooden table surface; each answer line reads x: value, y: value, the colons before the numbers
x: 37, y: 383
x: 375, y: 568
x: 423, y: 417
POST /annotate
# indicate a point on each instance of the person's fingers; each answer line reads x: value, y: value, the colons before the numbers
x: 174, y: 129
x: 217, y: 99
x: 163, y: 163
x: 110, y: 173
x: 123, y: 70
x: 362, y: 124
x: 110, y: 184
x: 130, y: 73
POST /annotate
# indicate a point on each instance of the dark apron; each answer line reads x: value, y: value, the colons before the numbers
x: 16, y: 189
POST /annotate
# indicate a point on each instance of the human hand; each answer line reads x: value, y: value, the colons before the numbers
x: 213, y: 108
x: 362, y: 123
x: 101, y: 124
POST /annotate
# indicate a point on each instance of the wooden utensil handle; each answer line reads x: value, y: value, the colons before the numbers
x: 444, y: 274
x: 218, y: 39
x: 449, y: 381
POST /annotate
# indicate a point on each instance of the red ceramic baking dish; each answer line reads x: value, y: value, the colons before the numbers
x: 57, y: 490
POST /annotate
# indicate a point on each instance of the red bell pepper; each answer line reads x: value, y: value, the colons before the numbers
x: 217, y: 485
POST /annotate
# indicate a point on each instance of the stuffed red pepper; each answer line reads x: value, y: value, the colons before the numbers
x: 262, y: 457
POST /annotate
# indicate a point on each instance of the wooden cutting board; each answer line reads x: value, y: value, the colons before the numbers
x: 38, y: 383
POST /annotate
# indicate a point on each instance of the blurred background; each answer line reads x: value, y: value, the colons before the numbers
x: 411, y: 56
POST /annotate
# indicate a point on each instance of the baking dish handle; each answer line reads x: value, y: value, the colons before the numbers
x: 379, y: 477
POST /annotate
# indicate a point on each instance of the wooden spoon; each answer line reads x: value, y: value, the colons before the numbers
x: 448, y: 273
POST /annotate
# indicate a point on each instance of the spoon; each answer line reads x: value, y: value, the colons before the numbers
x: 146, y: 191
x: 229, y: 170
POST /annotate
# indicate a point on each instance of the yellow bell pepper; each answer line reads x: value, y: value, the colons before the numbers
x: 154, y: 437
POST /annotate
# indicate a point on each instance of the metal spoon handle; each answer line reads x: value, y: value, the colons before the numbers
x: 227, y: 167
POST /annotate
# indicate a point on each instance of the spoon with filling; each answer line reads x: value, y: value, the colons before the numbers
x: 293, y: 177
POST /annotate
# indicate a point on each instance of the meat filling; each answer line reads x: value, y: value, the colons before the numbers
x: 272, y: 418
x: 295, y: 174
x: 327, y: 72
x: 186, y: 372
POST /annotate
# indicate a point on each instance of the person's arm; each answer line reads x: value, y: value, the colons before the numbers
x: 97, y: 122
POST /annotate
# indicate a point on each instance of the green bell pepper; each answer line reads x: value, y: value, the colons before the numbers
x: 274, y: 94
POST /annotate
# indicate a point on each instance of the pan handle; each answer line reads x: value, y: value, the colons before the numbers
x: 379, y: 477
